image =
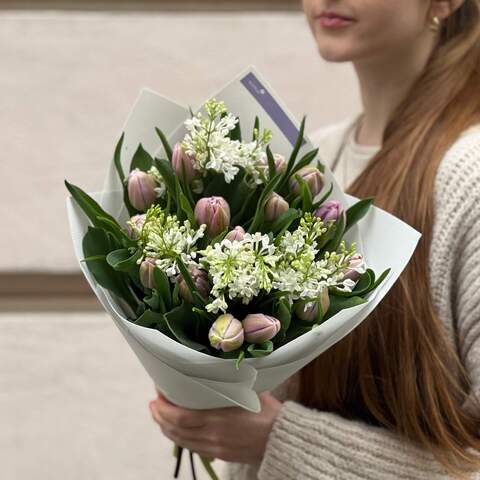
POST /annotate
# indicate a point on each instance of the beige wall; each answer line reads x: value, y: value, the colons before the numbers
x: 68, y: 80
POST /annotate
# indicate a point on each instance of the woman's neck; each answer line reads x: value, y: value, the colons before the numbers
x: 384, y: 83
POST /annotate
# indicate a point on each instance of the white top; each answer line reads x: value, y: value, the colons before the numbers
x: 354, y: 157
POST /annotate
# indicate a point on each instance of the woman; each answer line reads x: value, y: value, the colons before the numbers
x: 397, y: 397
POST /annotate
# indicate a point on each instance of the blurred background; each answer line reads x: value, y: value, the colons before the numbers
x: 73, y: 397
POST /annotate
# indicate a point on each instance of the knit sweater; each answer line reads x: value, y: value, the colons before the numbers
x: 308, y: 444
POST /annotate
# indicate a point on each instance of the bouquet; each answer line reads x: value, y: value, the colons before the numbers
x: 230, y: 259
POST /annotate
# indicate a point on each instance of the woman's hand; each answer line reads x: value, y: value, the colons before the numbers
x: 231, y: 434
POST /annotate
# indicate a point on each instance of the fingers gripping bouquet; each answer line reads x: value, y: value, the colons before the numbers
x: 228, y: 253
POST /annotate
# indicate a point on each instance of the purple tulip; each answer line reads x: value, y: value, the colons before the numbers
x: 259, y: 328
x: 237, y: 234
x: 308, y: 311
x: 146, y: 272
x: 182, y: 163
x: 226, y: 333
x: 141, y: 189
x: 330, y: 210
x: 356, y: 266
x: 275, y: 206
x: 312, y: 176
x: 200, y: 280
x: 138, y: 221
x: 213, y: 212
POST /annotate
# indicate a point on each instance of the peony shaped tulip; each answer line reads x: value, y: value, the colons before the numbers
x: 356, y: 266
x: 183, y: 163
x: 226, y: 333
x: 146, y: 272
x: 275, y: 206
x: 330, y: 210
x: 138, y: 221
x: 214, y: 212
x: 308, y: 311
x: 313, y: 178
x: 259, y: 328
x: 237, y: 234
x: 141, y: 189
x: 200, y: 280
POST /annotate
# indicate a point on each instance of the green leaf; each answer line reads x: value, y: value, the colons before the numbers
x: 256, y: 126
x: 259, y: 213
x: 162, y: 284
x: 307, y: 159
x: 271, y: 163
x: 141, y: 159
x: 341, y: 303
x: 240, y: 357
x: 122, y: 259
x: 323, y: 198
x: 307, y: 201
x: 261, y: 349
x: 293, y: 155
x: 378, y: 281
x: 187, y: 209
x: 363, y: 285
x: 115, y: 229
x: 339, y: 231
x: 117, y: 161
x: 236, y: 133
x: 95, y: 243
x: 284, y: 314
x: 155, y: 320
x: 89, y: 206
x: 181, y: 321
x: 169, y: 176
x: 283, y: 222
x: 358, y: 211
x: 166, y: 145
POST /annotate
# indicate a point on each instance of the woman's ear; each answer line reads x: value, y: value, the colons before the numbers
x: 444, y: 8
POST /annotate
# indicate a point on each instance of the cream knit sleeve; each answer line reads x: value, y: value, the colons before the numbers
x: 309, y: 444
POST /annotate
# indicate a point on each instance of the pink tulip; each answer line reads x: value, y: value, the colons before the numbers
x: 259, y: 328
x: 141, y: 189
x: 214, y: 212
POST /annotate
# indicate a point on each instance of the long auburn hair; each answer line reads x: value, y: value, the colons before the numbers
x: 399, y: 369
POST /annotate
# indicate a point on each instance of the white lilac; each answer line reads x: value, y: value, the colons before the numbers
x: 210, y: 147
x: 164, y: 238
x: 240, y: 269
x: 300, y: 274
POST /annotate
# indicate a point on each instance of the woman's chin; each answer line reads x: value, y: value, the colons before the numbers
x: 334, y: 54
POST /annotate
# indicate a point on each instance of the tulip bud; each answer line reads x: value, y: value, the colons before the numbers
x: 138, y: 221
x: 141, y: 189
x: 226, y: 333
x: 214, y: 212
x: 308, y: 311
x: 200, y: 280
x: 182, y: 163
x: 237, y: 234
x: 280, y: 162
x: 312, y: 176
x: 275, y: 206
x: 146, y: 272
x: 356, y: 266
x: 330, y: 210
x: 259, y: 328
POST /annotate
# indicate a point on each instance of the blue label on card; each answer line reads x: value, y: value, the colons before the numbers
x: 269, y: 104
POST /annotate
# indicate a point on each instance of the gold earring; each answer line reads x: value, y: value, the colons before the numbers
x: 435, y: 24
